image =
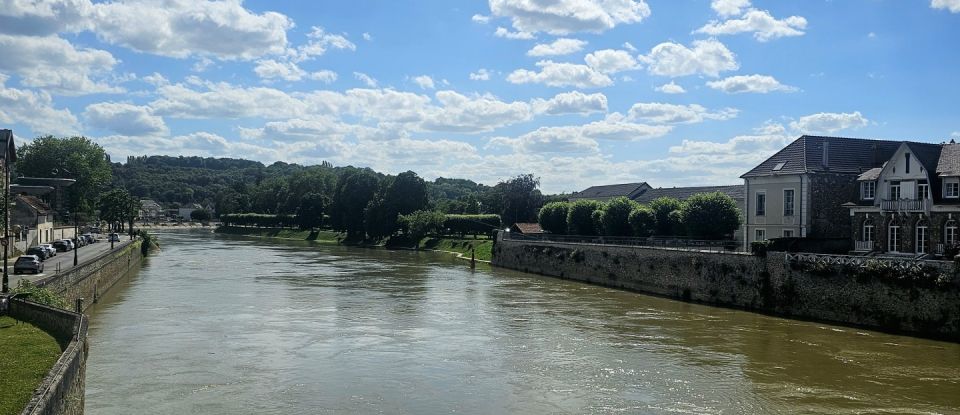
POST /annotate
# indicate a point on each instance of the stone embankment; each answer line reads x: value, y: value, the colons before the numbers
x: 764, y: 284
x: 93, y: 278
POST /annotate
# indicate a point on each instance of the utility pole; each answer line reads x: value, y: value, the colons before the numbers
x: 76, y: 236
x: 6, y: 218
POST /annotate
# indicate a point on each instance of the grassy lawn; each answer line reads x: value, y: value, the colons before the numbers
x: 280, y: 233
x: 26, y: 355
x: 483, y: 246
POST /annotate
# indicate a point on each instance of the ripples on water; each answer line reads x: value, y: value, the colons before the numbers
x: 234, y: 325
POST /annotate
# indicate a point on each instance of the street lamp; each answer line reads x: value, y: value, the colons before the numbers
x: 6, y: 226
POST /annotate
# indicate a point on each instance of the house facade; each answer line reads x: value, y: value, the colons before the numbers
x: 150, y: 209
x: 34, y: 217
x: 911, y: 204
x: 801, y: 190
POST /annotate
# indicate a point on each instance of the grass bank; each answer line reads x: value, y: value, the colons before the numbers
x: 27, y: 355
x: 483, y: 247
x: 280, y: 233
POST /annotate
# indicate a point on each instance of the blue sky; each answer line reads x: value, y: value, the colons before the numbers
x: 578, y: 92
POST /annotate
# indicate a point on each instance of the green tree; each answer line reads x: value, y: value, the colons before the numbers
x: 200, y: 215
x: 662, y: 206
x: 580, y: 217
x: 615, y: 219
x: 521, y: 199
x: 642, y: 221
x: 710, y: 215
x: 421, y: 223
x: 379, y: 220
x: 553, y: 217
x: 310, y: 212
x: 355, y: 190
x: 406, y: 194
x: 75, y: 158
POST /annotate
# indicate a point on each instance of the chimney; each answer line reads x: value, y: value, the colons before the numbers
x: 826, y: 154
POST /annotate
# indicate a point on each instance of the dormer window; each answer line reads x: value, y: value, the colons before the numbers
x: 951, y: 188
x: 868, y: 190
x: 779, y: 166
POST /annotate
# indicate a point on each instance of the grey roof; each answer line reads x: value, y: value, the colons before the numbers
x: 682, y: 193
x: 869, y: 175
x: 844, y: 155
x: 611, y: 190
x: 949, y: 163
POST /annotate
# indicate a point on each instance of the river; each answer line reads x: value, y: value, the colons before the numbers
x: 229, y: 325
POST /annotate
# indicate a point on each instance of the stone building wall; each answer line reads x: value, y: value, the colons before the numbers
x: 739, y: 280
x: 95, y: 277
x: 828, y: 193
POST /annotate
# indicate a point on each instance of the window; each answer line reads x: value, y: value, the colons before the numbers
x: 923, y: 238
x: 779, y: 166
x: 923, y: 190
x: 761, y: 204
x: 788, y: 233
x: 894, y: 190
x: 787, y: 202
x: 906, y: 157
x: 761, y: 235
x: 893, y: 238
x: 867, y: 232
x: 951, y: 189
x: 950, y: 233
x: 868, y: 190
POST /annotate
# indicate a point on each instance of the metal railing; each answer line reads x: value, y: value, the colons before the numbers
x: 676, y: 243
x: 863, y: 246
x: 862, y: 261
x: 904, y: 205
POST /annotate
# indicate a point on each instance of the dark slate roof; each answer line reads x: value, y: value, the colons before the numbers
x: 927, y: 154
x: 34, y: 203
x: 610, y: 191
x: 844, y: 155
x: 949, y: 163
x: 682, y: 193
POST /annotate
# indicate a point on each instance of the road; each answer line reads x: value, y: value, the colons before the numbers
x: 65, y: 260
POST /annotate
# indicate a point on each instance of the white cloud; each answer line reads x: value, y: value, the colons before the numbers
x: 611, y: 61
x: 35, y: 110
x: 707, y: 57
x: 757, y: 84
x: 320, y: 42
x: 368, y: 37
x: 829, y: 122
x: 366, y: 79
x: 952, y: 5
x: 562, y: 46
x: 324, y: 75
x: 671, y: 88
x: 480, y: 75
x: 459, y: 113
x: 677, y: 114
x: 182, y: 28
x: 759, y: 22
x: 729, y: 8
x: 768, y: 138
x: 628, y: 46
x: 124, y: 119
x: 579, y: 139
x: 507, y: 34
x: 202, y: 64
x: 561, y: 17
x: 42, y: 18
x: 479, y: 18
x: 574, y: 102
x: 561, y: 75
x: 955, y: 134
x: 54, y: 64
x: 222, y: 100
x: 269, y: 69
x: 296, y: 129
x: 424, y: 82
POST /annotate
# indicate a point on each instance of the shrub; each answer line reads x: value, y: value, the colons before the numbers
x: 710, y: 215
x: 421, y: 223
x: 615, y: 218
x: 39, y: 294
x: 642, y: 221
x: 553, y: 217
x: 580, y: 217
x: 759, y: 248
x: 662, y: 206
x: 675, y: 220
x: 475, y: 224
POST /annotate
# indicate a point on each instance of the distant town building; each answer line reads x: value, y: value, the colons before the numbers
x: 34, y: 217
x: 185, y: 211
x: 608, y: 192
x: 150, y: 209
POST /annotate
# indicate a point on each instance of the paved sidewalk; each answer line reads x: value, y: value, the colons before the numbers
x: 64, y: 260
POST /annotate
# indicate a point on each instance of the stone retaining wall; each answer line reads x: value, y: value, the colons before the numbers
x: 92, y: 279
x: 744, y: 281
x: 62, y: 390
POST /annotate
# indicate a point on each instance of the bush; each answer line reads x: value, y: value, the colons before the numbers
x: 662, y: 206
x: 258, y: 220
x: 759, y: 248
x: 580, y: 217
x: 474, y: 224
x: 675, y: 220
x: 615, y: 219
x: 200, y: 215
x: 421, y: 223
x: 39, y: 294
x: 642, y: 221
x: 553, y: 217
x: 710, y: 215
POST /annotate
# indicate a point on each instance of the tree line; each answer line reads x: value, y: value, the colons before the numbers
x: 702, y: 216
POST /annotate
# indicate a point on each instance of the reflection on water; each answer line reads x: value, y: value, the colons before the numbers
x: 225, y: 325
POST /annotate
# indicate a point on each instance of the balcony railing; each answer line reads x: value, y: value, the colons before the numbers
x: 863, y: 246
x: 905, y: 205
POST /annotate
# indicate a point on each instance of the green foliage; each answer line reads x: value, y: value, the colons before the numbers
x: 580, y: 217
x: 118, y: 206
x: 662, y: 207
x: 597, y: 218
x: 759, y: 248
x: 471, y: 224
x: 354, y: 192
x: 148, y: 241
x: 76, y: 158
x: 642, y: 221
x: 615, y: 218
x: 421, y: 223
x: 378, y: 219
x: 521, y: 199
x: 310, y: 212
x: 200, y: 215
x: 553, y: 217
x: 710, y: 215
x: 39, y: 294
x: 260, y: 220
x: 675, y: 219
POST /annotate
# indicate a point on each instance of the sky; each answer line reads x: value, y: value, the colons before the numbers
x: 577, y: 92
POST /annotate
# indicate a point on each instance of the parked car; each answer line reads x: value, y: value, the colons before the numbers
x: 70, y: 244
x: 61, y: 246
x: 39, y: 252
x: 29, y: 263
x: 114, y: 237
x: 78, y: 242
x: 51, y: 251
x: 88, y: 238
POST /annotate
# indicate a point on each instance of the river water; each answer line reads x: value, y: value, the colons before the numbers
x: 230, y: 325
